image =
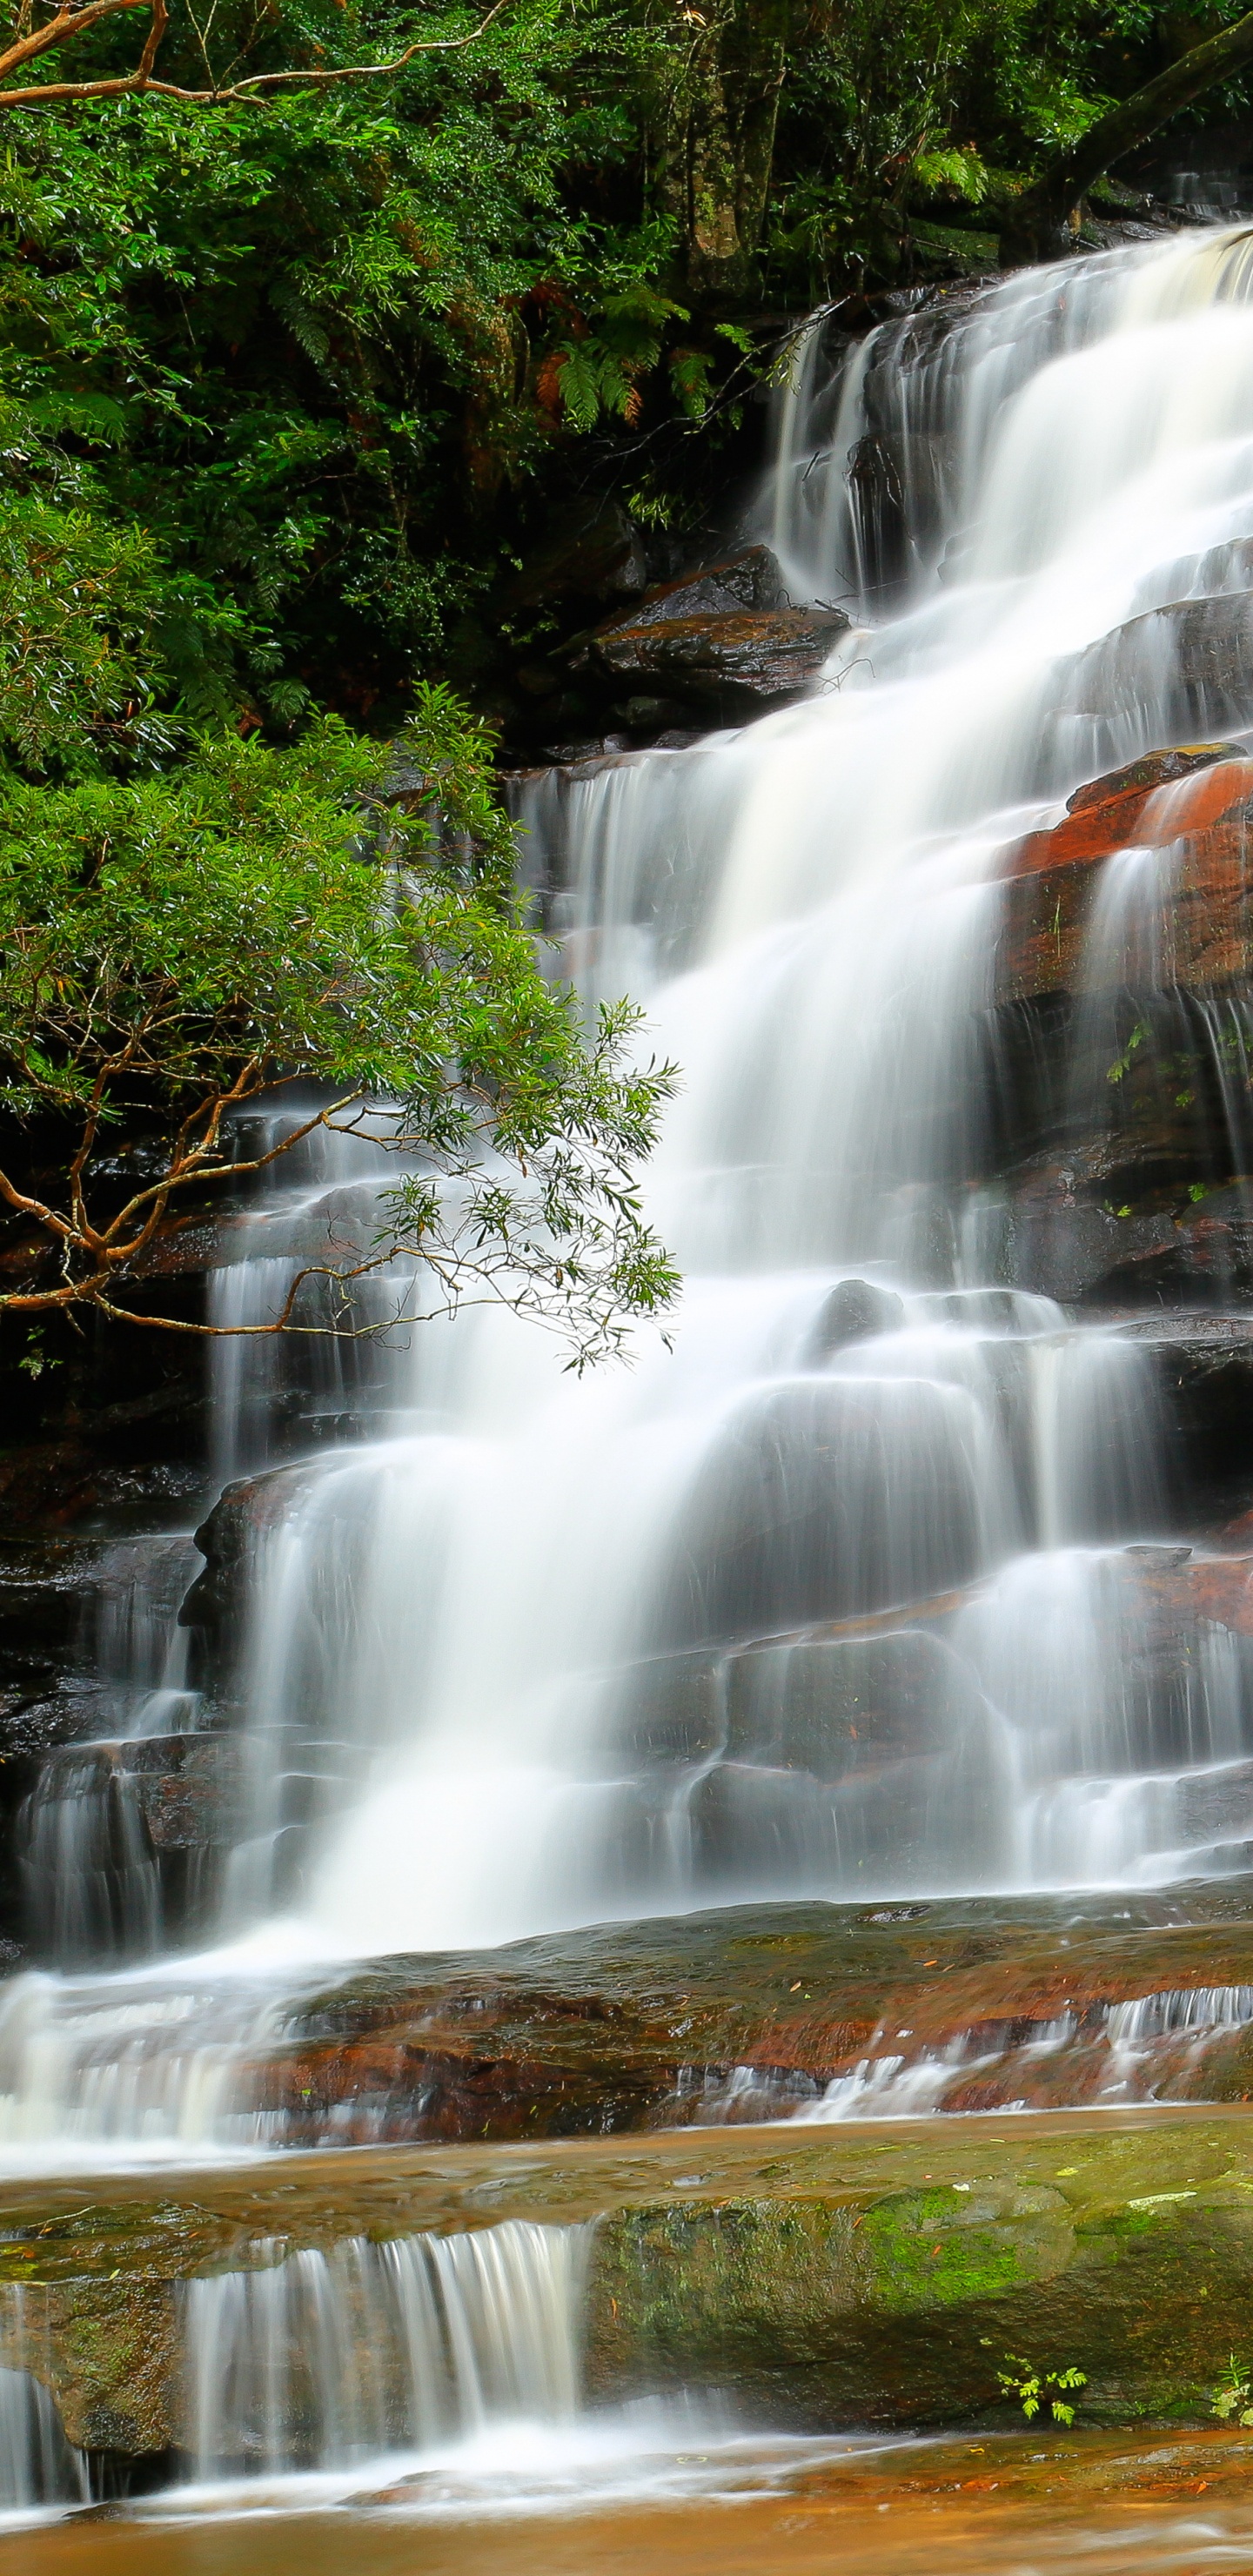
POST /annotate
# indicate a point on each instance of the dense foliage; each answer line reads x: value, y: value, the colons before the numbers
x: 304, y: 372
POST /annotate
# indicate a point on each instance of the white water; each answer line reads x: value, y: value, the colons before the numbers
x: 320, y: 2360
x: 549, y: 1651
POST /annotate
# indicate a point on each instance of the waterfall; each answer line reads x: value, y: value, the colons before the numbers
x: 38, y: 2467
x: 844, y: 1596
x: 322, y: 2360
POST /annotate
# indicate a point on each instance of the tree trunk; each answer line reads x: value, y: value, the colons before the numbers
x: 716, y: 143
x: 1040, y: 222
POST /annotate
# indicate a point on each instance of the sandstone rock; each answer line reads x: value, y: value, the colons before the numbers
x: 111, y: 2356
x: 1200, y: 934
x: 188, y: 1791
x: 875, y: 2274
x: 746, y: 660
x: 751, y: 2012
x: 1153, y: 769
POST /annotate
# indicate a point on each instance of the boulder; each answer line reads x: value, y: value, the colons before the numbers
x: 751, y: 580
x: 731, y: 662
x: 855, y: 1311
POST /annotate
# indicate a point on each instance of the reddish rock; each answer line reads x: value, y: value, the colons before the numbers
x: 1203, y: 932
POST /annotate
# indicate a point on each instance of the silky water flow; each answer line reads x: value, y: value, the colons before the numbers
x: 527, y: 1651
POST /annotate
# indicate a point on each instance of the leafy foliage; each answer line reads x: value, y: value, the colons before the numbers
x: 173, y: 947
x: 1233, y: 2396
x: 1030, y: 2388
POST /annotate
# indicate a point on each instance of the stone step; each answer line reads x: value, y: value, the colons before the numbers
x: 866, y: 2276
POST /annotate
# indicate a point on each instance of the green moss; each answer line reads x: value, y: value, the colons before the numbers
x: 946, y: 2248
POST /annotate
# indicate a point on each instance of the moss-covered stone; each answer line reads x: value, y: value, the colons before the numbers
x: 903, y: 2309
x: 111, y: 2354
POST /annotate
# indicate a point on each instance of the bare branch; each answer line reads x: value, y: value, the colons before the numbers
x: 68, y: 23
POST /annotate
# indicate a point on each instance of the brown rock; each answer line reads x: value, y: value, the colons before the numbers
x: 1153, y: 769
x: 750, y: 659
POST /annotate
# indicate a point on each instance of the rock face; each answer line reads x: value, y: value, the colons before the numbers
x: 1203, y: 649
x: 1193, y: 928
x: 754, y: 2012
x: 216, y: 1605
x: 1119, y: 1127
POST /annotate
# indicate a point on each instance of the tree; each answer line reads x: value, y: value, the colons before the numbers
x: 1036, y: 224
x: 175, y: 946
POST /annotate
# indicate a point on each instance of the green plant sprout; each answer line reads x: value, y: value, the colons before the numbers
x: 1031, y: 2386
x: 1234, y: 2393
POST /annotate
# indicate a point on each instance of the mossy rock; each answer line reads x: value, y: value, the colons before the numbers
x: 903, y: 2311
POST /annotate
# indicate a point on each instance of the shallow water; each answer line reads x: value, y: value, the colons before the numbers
x: 1079, y: 2505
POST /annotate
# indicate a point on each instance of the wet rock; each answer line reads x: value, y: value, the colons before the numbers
x: 1199, y: 934
x: 896, y: 485
x: 1153, y: 769
x: 751, y: 580
x: 790, y: 1519
x: 854, y: 1312
x: 230, y: 1540
x: 730, y: 662
x: 1105, y: 1255
x: 753, y: 2012
x: 186, y: 1792
x: 827, y: 2278
x: 1118, y: 1104
x: 902, y: 2311
x: 1200, y: 649
x: 110, y: 2355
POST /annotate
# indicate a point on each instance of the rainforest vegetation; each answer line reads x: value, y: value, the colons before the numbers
x: 324, y: 328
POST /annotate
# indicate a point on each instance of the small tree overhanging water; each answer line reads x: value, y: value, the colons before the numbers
x: 175, y: 947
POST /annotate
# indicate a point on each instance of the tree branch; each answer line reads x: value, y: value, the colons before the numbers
x: 59, y: 30
x: 68, y: 24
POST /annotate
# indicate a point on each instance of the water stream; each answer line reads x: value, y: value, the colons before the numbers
x: 832, y: 1600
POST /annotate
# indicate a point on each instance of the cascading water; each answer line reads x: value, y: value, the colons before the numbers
x: 836, y: 1599
x: 322, y: 2360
